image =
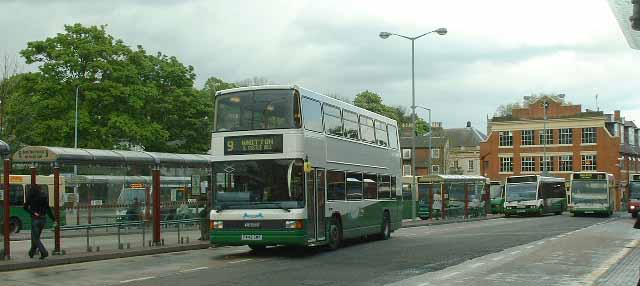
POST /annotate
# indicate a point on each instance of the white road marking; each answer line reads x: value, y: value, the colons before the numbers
x: 194, y: 269
x: 540, y: 243
x: 238, y: 261
x: 498, y: 258
x: 562, y: 235
x: 448, y: 275
x: 477, y: 264
x: 553, y: 238
x: 604, y: 267
x: 137, y: 279
x: 514, y: 252
x: 423, y: 284
x: 530, y: 246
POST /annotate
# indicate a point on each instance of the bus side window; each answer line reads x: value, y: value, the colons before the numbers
x: 16, y: 195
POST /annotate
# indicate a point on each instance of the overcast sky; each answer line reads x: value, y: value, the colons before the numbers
x: 497, y: 51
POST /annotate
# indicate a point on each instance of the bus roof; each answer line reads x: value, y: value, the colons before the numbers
x: 591, y: 175
x: 438, y: 178
x: 533, y: 178
x: 256, y: 87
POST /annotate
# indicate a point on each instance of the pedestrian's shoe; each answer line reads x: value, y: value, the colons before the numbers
x: 44, y: 255
x: 32, y: 252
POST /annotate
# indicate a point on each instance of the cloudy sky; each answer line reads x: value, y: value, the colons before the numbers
x: 497, y: 51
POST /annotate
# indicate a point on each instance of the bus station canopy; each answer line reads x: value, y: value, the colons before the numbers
x: 45, y: 154
x: 442, y: 178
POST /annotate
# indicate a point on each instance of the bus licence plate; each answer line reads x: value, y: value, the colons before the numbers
x: 521, y: 211
x: 588, y: 212
x: 251, y: 237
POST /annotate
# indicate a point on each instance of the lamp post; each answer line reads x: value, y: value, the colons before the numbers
x: 430, y: 135
x: 546, y: 136
x: 414, y: 185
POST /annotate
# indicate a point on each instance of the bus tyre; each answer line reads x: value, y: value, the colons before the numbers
x: 385, y: 231
x: 634, y: 215
x: 335, y: 234
x: 257, y: 248
x: 15, y: 225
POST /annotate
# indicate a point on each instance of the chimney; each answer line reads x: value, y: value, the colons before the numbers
x: 616, y: 115
x: 468, y: 124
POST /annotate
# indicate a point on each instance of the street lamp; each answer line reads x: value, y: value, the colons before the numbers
x: 430, y: 135
x: 414, y: 188
x: 546, y: 136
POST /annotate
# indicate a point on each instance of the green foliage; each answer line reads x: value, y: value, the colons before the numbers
x: 211, y: 86
x: 124, y: 94
x: 373, y: 102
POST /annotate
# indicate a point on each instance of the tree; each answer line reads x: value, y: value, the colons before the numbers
x: 125, y: 95
x: 506, y: 109
x: 8, y: 68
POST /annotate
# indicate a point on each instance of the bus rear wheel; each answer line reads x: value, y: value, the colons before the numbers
x: 15, y: 225
x: 257, y: 248
x: 634, y: 215
x: 335, y: 234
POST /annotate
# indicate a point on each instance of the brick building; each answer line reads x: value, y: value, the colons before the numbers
x: 438, y: 151
x: 576, y: 140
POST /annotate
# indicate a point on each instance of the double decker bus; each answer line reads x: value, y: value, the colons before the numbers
x: 295, y: 167
x: 20, y: 185
x: 496, y: 196
x: 591, y: 193
x: 534, y: 194
x: 634, y: 195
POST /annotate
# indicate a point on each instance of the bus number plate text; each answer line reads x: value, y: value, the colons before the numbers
x: 252, y: 237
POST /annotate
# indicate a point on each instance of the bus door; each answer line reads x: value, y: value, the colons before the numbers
x: 315, y: 204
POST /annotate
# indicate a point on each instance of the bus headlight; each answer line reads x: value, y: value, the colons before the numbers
x: 632, y: 207
x: 216, y: 224
x: 293, y: 224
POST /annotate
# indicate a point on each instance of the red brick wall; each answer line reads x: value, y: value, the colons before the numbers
x: 536, y: 110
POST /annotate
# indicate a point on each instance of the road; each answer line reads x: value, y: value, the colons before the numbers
x: 436, y: 255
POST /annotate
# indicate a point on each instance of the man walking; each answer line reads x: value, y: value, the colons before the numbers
x: 37, y: 205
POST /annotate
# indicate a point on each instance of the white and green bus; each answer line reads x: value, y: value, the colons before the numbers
x: 534, y: 195
x: 294, y: 167
x: 591, y: 193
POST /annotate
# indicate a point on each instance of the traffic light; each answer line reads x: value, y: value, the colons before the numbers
x: 635, y: 18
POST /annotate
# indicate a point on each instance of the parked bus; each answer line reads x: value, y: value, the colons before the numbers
x: 19, y: 185
x: 591, y: 193
x: 634, y: 195
x: 294, y: 167
x: 496, y: 194
x: 535, y: 195
x: 456, y: 190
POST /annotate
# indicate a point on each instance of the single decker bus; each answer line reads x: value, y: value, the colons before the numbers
x: 591, y: 193
x: 534, y: 195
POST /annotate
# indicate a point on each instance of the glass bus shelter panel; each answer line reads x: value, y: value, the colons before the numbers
x: 2, y: 252
x: 455, y: 200
x: 429, y: 200
x: 477, y: 199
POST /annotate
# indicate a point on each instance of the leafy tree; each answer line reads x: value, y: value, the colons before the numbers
x: 124, y: 94
x: 506, y: 109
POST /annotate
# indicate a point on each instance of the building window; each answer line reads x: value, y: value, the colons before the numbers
x: 566, y: 163
x: 506, y: 138
x: 588, y: 162
x: 548, y: 162
x: 528, y: 164
x: 506, y: 164
x: 406, y: 170
x: 471, y: 166
x: 589, y: 135
x: 435, y: 169
x: 527, y: 137
x: 406, y: 153
x: 435, y: 153
x: 566, y: 136
x: 546, y: 136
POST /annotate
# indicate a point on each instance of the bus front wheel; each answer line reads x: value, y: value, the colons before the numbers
x: 634, y: 215
x: 257, y: 248
x: 15, y: 225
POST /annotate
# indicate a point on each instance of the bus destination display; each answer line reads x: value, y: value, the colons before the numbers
x: 255, y: 144
x: 589, y: 176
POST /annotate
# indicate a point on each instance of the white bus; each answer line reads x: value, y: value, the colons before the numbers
x: 534, y: 195
x: 592, y: 193
x: 294, y: 167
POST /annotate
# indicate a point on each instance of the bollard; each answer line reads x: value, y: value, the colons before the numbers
x: 119, y: 244
x: 88, y: 246
x: 178, y: 231
x: 162, y: 242
x: 97, y: 248
x: 144, y: 227
x: 182, y: 240
x: 128, y: 245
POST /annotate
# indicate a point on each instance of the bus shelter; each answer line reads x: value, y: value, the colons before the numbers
x: 91, y: 186
x: 451, y: 196
x: 5, y: 151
